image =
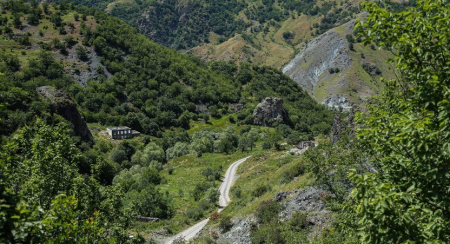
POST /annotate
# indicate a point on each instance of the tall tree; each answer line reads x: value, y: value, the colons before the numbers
x: 405, y: 198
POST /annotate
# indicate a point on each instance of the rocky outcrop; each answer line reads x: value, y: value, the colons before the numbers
x: 340, y: 127
x: 340, y: 102
x: 269, y: 111
x: 65, y: 107
x: 239, y: 233
x: 309, y: 201
x: 337, y: 129
x: 309, y: 67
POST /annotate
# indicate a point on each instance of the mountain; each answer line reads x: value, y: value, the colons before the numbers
x: 265, y: 32
x: 123, y: 78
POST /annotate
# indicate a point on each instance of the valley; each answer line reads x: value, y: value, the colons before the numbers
x: 244, y: 121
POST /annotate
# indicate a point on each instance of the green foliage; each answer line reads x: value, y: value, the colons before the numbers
x: 225, y: 224
x: 40, y: 164
x: 176, y: 151
x: 331, y: 163
x: 150, y: 203
x: 272, y: 230
x: 405, y: 197
x: 46, y: 151
x: 212, y: 175
x: 154, y: 100
x: 260, y: 190
x: 151, y: 152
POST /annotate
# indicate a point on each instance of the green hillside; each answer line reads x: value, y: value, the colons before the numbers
x: 137, y: 82
x: 115, y: 76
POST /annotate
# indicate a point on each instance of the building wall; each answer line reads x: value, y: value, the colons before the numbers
x: 121, y: 134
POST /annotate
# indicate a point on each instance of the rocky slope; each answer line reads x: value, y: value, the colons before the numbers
x: 337, y: 70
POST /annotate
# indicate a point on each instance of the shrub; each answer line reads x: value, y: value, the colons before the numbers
x: 214, y: 216
x: 299, y: 220
x: 194, y: 213
x: 259, y: 190
x: 225, y: 224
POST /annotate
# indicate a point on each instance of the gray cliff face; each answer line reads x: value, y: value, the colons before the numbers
x: 330, y: 50
x: 65, y: 107
x: 268, y: 111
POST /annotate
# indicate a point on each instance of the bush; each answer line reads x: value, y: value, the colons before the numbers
x: 225, y: 224
x: 214, y: 216
x: 81, y: 53
x: 260, y: 190
x: 232, y: 119
x: 212, y: 195
x: 267, y: 211
x: 176, y: 151
x: 297, y: 170
x: 194, y: 213
x: 118, y: 156
x: 199, y: 190
x: 299, y: 220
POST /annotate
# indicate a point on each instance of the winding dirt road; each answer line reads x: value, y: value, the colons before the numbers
x: 224, y: 199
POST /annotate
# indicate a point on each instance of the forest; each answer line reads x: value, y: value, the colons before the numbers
x: 183, y: 25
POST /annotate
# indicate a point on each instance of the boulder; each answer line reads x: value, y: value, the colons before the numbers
x: 65, y: 107
x: 269, y: 111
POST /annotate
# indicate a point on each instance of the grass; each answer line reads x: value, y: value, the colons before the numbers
x: 358, y: 83
x: 187, y: 173
x: 270, y: 48
x: 265, y: 168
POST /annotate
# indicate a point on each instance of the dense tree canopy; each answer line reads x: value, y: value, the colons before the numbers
x: 405, y: 198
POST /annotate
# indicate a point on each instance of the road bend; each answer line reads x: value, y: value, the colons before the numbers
x: 224, y: 200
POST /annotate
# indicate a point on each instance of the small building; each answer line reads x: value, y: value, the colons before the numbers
x: 122, y: 132
x: 306, y: 144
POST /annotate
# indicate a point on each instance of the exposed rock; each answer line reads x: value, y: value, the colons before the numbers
x: 239, y: 233
x: 338, y: 102
x: 65, y: 107
x: 337, y: 129
x: 329, y: 50
x: 351, y: 121
x: 309, y: 201
x: 282, y: 195
x: 269, y: 111
x: 339, y: 126
x: 84, y: 70
x: 158, y: 236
